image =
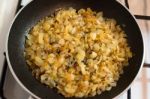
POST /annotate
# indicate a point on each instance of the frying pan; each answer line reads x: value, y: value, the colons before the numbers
x: 37, y: 10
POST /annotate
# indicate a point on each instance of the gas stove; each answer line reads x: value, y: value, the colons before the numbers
x: 10, y: 89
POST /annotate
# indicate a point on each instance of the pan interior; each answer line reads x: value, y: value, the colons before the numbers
x: 38, y: 9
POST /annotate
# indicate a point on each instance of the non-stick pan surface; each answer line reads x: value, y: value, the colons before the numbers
x: 37, y: 10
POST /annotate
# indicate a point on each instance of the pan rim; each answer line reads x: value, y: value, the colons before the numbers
x: 37, y: 97
x: 142, y: 62
x: 7, y: 56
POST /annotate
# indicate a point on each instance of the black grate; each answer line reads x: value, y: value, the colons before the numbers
x: 129, y: 94
x: 3, y: 80
x: 142, y: 17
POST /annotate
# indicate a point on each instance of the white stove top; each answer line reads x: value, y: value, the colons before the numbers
x: 139, y: 90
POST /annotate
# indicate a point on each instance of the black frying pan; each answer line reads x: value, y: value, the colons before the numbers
x: 37, y: 10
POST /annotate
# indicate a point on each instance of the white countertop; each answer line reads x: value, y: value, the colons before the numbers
x: 7, y: 12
